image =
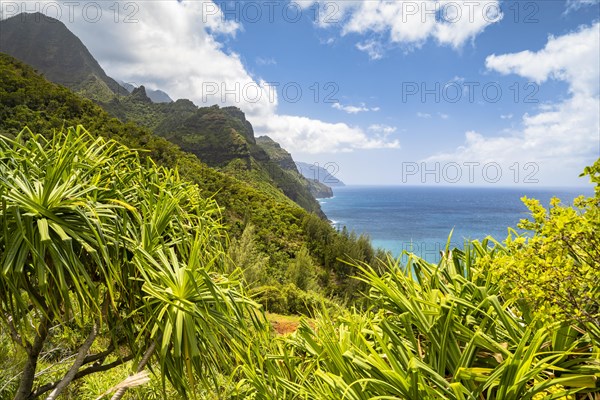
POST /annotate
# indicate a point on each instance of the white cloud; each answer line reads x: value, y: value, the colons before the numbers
x: 562, y: 137
x: 265, y: 61
x: 215, y: 22
x: 312, y: 136
x: 443, y: 116
x: 372, y: 47
x: 172, y: 45
x: 354, y: 109
x: 382, y: 129
x: 572, y: 58
x: 423, y: 115
x: 574, y: 5
x: 506, y: 116
x: 407, y: 22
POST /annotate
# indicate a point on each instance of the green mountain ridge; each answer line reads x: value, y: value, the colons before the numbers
x: 281, y: 228
x: 284, y: 159
x: 47, y: 45
x: 220, y: 137
x: 157, y: 96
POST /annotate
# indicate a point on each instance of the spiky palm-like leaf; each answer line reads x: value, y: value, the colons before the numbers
x: 90, y: 231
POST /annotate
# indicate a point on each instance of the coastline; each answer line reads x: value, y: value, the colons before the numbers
x: 419, y: 219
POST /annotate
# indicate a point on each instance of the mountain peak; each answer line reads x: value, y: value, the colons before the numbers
x: 139, y: 94
x: 35, y: 17
x: 239, y: 114
x: 50, y: 47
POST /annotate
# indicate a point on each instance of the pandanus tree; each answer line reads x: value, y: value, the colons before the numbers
x: 94, y: 236
x: 434, y: 331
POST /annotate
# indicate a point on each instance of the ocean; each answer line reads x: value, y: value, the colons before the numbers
x: 420, y: 218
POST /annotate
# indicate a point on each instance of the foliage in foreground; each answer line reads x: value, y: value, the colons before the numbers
x: 556, y: 272
x: 510, y: 322
x: 124, y: 259
x: 124, y: 253
x: 282, y: 228
x: 441, y: 331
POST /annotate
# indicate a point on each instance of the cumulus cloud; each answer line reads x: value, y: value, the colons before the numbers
x: 571, y: 58
x: 321, y: 137
x: 423, y: 115
x: 407, y: 22
x: 175, y: 46
x: 562, y: 137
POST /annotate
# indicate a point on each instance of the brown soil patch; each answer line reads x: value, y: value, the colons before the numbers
x: 284, y: 327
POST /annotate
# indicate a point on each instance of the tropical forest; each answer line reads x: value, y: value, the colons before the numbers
x: 159, y: 250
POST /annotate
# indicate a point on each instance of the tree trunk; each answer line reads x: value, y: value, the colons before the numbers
x: 119, y: 393
x: 33, y: 352
x: 83, y: 350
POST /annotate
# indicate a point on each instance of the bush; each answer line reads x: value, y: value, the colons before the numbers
x: 289, y: 299
x: 555, y: 270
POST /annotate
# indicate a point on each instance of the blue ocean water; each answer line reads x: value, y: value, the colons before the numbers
x: 420, y: 218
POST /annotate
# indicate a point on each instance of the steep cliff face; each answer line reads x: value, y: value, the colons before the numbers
x: 47, y: 45
x: 277, y: 153
x: 139, y: 94
x: 284, y: 159
x: 320, y: 190
x: 221, y: 137
x: 210, y: 133
x: 157, y: 96
x: 248, y: 130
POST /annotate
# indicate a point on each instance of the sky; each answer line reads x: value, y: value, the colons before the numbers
x: 378, y: 92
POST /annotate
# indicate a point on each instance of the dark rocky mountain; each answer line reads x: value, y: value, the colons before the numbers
x: 47, y: 45
x: 64, y: 60
x: 157, y: 96
x: 220, y: 137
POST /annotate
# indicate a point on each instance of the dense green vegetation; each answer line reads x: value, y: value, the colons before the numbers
x: 281, y: 227
x: 108, y: 258
x: 119, y: 249
x: 283, y: 159
x: 145, y: 274
x: 556, y: 272
x: 444, y: 331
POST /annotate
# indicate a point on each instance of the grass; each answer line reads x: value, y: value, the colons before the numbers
x: 284, y: 324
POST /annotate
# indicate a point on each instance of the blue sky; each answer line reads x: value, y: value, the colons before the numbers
x: 285, y: 51
x: 363, y: 66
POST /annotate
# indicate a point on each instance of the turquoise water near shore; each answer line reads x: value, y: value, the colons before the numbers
x: 420, y: 218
